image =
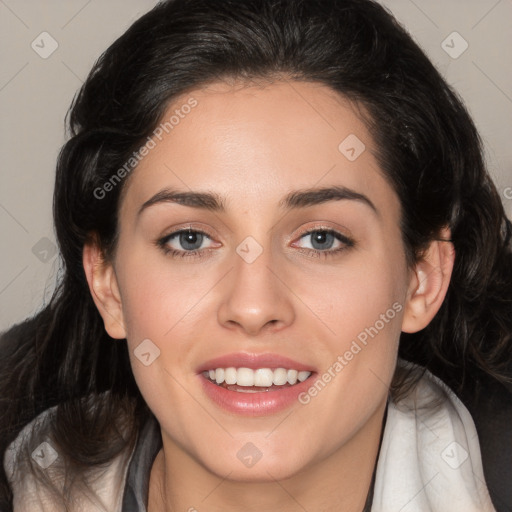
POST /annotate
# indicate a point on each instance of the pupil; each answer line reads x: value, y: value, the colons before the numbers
x: 189, y: 239
x: 320, y: 237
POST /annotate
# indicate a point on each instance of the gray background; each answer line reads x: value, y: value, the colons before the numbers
x: 35, y: 93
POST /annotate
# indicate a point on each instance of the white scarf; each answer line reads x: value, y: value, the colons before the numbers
x: 430, y: 458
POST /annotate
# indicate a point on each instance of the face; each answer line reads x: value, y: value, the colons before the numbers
x: 293, y: 264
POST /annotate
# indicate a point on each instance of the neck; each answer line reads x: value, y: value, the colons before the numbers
x: 339, y: 481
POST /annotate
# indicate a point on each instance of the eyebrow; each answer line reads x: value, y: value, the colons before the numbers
x: 297, y: 199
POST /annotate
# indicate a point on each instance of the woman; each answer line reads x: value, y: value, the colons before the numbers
x: 283, y: 258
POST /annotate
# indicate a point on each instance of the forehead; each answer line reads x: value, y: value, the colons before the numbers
x: 253, y: 143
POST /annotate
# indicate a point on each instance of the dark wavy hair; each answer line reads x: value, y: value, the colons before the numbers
x: 428, y: 148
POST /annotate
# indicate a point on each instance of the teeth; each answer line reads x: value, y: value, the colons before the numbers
x: 292, y: 376
x: 245, y: 377
x: 302, y: 376
x: 230, y: 375
x: 280, y: 377
x: 262, y: 377
x: 219, y: 375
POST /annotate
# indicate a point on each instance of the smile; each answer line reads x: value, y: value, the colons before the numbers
x: 260, y: 379
x: 254, y: 384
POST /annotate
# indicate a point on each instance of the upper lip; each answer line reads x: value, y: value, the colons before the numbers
x: 253, y: 361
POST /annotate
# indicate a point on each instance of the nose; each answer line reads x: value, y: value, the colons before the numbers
x: 255, y: 298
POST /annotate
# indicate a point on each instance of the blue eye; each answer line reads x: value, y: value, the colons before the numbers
x: 188, y: 243
x: 189, y: 240
x: 322, y: 241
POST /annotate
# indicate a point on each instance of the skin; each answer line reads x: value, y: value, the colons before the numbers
x: 252, y: 145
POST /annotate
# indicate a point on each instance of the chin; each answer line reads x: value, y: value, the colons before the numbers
x: 249, y: 464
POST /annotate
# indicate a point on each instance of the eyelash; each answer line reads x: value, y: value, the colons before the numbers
x: 173, y: 253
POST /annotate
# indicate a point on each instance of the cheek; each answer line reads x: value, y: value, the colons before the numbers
x: 157, y: 295
x: 352, y: 296
x: 358, y: 309
x: 160, y: 312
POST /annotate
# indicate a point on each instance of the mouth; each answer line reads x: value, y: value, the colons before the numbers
x: 254, y: 385
x: 260, y: 380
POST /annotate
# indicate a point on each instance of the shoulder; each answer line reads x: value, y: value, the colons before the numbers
x: 490, y: 405
x: 38, y: 473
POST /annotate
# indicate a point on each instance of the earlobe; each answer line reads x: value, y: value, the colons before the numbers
x: 429, y: 283
x: 104, y: 289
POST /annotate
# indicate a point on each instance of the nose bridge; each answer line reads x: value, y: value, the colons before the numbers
x: 255, y: 296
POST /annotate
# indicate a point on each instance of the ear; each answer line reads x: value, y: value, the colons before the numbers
x: 104, y: 289
x: 429, y: 283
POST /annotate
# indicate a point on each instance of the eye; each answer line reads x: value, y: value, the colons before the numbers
x: 184, y: 243
x: 325, y: 242
x: 188, y: 243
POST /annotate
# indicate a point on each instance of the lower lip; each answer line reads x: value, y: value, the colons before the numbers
x: 255, y: 404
